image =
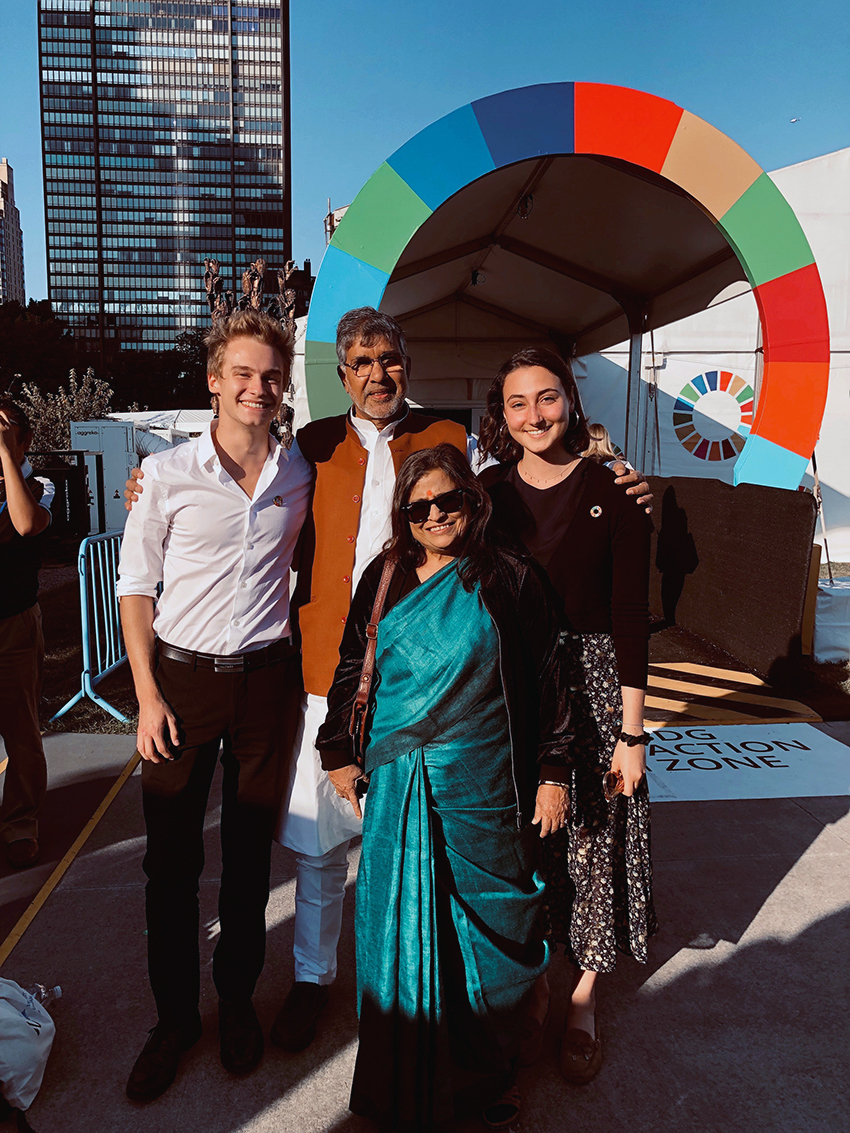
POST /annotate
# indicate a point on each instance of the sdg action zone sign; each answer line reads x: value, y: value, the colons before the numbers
x: 746, y: 761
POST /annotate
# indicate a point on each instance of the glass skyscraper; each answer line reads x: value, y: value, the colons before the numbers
x: 165, y: 130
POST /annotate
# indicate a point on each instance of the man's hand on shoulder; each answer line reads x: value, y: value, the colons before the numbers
x: 637, y: 486
x: 133, y: 488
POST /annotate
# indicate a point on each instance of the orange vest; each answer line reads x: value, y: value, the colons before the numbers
x: 327, y: 559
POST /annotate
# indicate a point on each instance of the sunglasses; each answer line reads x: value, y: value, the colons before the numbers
x: 419, y: 510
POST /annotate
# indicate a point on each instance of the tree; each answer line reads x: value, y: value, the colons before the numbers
x: 36, y: 346
x: 51, y: 414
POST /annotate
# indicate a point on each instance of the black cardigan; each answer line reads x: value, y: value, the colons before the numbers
x: 600, y: 568
x: 533, y: 661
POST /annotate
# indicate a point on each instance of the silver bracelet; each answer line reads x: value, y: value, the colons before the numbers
x: 552, y: 783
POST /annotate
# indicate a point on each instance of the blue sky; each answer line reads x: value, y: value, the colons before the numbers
x: 369, y: 74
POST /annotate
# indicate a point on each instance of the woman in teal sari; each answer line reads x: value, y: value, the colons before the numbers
x: 469, y: 743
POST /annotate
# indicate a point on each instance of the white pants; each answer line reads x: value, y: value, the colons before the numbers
x: 318, y: 826
x: 319, y: 893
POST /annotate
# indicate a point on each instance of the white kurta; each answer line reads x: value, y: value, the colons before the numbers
x: 313, y: 819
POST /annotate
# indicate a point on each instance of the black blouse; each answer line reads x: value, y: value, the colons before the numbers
x: 595, y: 544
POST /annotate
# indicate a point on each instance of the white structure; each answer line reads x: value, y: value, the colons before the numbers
x: 725, y: 339
x: 115, y: 440
x: 159, y: 429
x: 11, y: 240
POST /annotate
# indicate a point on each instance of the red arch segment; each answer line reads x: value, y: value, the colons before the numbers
x: 628, y: 124
x: 794, y: 318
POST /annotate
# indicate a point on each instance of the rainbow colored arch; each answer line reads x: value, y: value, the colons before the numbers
x: 593, y: 118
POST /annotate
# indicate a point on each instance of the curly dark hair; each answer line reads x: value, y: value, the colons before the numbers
x: 482, y: 548
x: 494, y: 438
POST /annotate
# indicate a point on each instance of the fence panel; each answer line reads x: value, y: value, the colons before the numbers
x: 103, y: 643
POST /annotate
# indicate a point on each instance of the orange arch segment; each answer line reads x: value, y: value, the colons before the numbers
x: 793, y: 419
x: 628, y: 124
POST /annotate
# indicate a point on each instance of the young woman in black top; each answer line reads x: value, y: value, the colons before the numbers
x: 594, y: 544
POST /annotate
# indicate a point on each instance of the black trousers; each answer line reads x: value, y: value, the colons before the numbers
x: 252, y: 717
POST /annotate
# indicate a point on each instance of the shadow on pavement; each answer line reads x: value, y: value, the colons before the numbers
x: 733, y: 1024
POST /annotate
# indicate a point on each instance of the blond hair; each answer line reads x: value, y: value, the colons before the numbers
x: 249, y: 324
x: 601, y: 447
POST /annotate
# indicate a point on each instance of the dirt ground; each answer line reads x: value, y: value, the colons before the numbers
x: 59, y: 598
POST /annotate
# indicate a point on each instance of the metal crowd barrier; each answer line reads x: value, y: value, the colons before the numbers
x: 103, y: 644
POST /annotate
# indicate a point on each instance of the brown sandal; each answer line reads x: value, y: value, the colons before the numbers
x: 503, y: 1112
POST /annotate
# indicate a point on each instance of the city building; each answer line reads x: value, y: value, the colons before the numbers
x: 165, y: 129
x: 11, y: 240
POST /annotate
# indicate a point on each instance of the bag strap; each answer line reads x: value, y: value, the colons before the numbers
x: 367, y: 672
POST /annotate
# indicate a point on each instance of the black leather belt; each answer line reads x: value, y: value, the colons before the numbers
x: 229, y: 663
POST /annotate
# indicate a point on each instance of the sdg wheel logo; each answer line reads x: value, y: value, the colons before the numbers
x: 713, y: 414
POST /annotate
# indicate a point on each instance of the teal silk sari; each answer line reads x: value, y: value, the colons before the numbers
x: 447, y: 922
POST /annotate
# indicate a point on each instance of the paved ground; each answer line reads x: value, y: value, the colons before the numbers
x: 739, y: 1022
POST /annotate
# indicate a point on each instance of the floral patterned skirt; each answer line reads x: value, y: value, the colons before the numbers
x: 598, y: 869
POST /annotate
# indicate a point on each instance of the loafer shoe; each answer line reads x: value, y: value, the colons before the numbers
x: 22, y: 853
x: 295, y: 1025
x: 156, y: 1067
x: 581, y: 1056
x: 240, y: 1036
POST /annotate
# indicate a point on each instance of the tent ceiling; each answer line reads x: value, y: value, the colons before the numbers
x: 554, y: 251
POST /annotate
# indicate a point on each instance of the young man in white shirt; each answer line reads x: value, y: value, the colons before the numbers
x: 24, y: 514
x: 211, y: 663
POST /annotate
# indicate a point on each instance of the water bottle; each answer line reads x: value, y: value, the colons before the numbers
x: 45, y: 995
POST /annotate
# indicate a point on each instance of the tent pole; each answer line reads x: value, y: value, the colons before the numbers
x: 633, y: 413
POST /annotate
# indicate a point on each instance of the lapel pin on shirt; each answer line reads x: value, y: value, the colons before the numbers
x: 596, y: 511
x: 278, y: 501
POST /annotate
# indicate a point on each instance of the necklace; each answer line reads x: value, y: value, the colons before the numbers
x: 551, y: 480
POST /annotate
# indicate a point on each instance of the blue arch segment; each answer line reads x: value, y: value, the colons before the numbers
x: 769, y: 464
x: 529, y: 122
x: 444, y: 157
x: 346, y: 282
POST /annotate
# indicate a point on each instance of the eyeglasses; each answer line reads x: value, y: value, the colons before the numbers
x: 389, y: 363
x: 449, y: 502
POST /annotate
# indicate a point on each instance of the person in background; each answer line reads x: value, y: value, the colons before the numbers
x: 215, y: 669
x: 601, y: 448
x: 25, y: 501
x: 594, y: 545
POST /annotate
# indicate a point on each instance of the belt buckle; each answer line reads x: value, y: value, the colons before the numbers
x: 229, y: 664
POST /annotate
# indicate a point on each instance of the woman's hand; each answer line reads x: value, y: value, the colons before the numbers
x: 631, y: 763
x: 344, y: 782
x: 551, y: 809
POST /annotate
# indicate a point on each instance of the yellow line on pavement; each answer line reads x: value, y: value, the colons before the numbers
x: 4, y: 765
x: 59, y: 872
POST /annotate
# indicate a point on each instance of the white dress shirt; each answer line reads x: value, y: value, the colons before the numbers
x: 223, y: 558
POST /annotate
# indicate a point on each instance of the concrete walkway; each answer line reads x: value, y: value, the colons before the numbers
x: 739, y: 1022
